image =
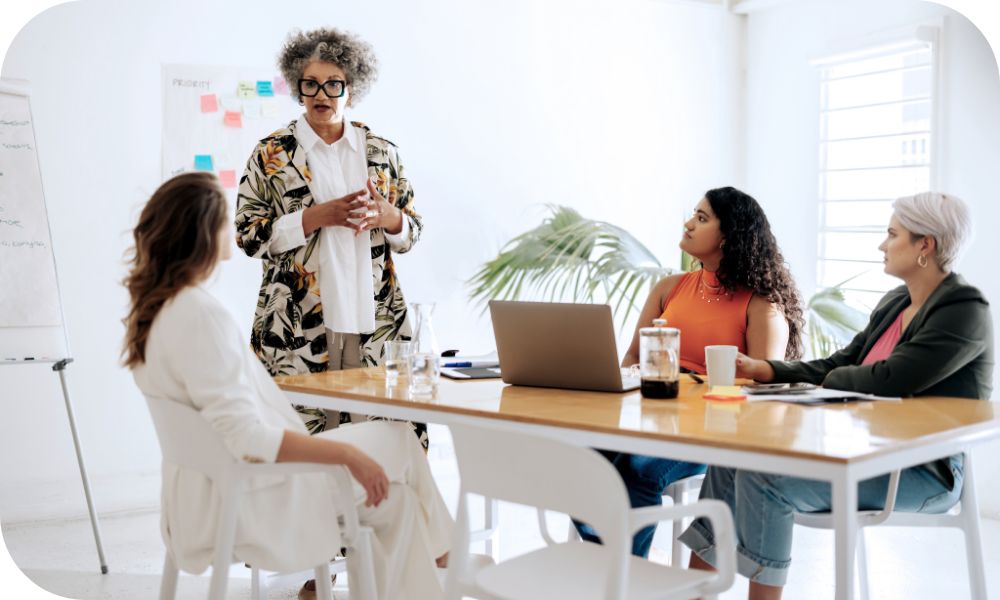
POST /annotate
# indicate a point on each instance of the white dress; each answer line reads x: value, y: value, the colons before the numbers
x: 195, y: 355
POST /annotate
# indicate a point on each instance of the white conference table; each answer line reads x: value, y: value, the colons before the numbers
x: 842, y: 444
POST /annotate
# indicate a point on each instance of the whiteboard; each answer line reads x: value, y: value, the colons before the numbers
x: 31, y: 323
x: 213, y: 117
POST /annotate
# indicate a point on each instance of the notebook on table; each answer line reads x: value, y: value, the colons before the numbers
x: 470, y: 372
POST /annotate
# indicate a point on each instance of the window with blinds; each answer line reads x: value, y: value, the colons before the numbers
x: 876, y: 134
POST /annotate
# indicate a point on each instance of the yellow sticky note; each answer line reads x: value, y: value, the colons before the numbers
x: 725, y: 392
x: 246, y: 89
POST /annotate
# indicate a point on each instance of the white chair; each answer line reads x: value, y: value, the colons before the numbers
x: 552, y: 475
x: 964, y: 516
x: 188, y: 441
x: 677, y: 492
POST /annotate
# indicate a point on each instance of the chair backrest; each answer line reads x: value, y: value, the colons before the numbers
x: 187, y: 440
x: 544, y: 473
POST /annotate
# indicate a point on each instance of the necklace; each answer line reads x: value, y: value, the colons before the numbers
x: 715, y: 292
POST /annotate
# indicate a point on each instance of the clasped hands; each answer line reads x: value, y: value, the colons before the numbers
x: 360, y: 211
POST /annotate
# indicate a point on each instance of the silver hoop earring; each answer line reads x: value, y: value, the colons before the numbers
x: 922, y: 261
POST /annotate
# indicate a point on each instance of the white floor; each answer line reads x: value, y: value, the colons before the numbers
x: 59, y: 556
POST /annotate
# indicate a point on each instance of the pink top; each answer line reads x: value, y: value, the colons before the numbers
x: 885, y: 344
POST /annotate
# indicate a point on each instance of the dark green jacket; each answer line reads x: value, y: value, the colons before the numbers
x: 947, y: 350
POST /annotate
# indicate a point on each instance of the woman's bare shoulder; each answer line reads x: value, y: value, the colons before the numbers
x: 663, y: 288
x: 760, y: 305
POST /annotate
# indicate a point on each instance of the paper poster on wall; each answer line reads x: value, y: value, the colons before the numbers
x: 213, y: 117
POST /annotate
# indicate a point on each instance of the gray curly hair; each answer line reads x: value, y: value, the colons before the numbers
x: 344, y: 49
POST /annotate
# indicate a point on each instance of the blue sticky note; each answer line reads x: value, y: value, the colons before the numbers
x: 203, y: 162
x: 264, y: 88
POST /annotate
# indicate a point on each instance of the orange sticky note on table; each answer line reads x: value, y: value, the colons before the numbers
x: 228, y: 179
x: 233, y: 118
x: 731, y: 393
x: 209, y: 103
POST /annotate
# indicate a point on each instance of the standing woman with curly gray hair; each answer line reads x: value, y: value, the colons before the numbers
x: 324, y: 204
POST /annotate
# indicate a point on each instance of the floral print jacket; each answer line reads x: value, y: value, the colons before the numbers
x: 288, y: 333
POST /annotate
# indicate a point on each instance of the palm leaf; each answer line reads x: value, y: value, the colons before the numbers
x: 570, y: 257
x: 832, y: 323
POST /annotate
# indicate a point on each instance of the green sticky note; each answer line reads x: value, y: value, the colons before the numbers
x: 203, y: 162
x: 246, y: 90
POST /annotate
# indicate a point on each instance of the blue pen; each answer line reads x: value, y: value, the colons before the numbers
x: 457, y: 365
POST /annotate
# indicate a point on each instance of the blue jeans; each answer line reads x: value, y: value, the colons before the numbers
x: 645, y: 478
x: 764, y: 508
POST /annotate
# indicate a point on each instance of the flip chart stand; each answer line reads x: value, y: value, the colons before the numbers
x: 59, y: 366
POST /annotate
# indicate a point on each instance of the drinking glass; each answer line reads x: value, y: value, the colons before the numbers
x: 397, y: 356
x: 424, y: 372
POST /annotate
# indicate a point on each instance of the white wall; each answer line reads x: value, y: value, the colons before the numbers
x: 782, y: 135
x: 498, y: 108
x: 624, y: 110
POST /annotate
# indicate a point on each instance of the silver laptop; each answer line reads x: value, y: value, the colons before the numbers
x: 550, y: 344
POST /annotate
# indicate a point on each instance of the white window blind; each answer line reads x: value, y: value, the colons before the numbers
x: 875, y: 144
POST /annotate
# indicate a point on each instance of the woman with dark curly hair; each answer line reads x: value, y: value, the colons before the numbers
x: 743, y: 295
x: 324, y: 204
x: 931, y: 336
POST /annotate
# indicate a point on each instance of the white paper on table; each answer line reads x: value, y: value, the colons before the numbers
x: 818, y: 395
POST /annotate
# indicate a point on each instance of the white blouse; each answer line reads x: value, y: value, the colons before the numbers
x: 196, y: 355
x: 346, y: 278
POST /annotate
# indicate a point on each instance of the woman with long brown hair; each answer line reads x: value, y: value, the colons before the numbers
x: 182, y: 344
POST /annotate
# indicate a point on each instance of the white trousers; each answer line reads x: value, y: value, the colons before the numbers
x: 412, y: 525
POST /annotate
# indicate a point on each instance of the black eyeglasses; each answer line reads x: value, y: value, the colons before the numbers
x: 333, y: 88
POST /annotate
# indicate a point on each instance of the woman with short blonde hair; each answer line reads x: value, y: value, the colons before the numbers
x: 931, y: 336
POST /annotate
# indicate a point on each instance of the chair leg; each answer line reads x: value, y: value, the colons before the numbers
x: 168, y: 581
x: 972, y: 533
x: 491, y: 519
x: 361, y: 567
x: 324, y: 590
x: 224, y: 540
x: 862, y: 565
x: 676, y: 548
x: 220, y: 581
x: 258, y: 584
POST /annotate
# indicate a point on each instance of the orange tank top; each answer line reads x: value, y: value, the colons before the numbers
x: 706, y: 316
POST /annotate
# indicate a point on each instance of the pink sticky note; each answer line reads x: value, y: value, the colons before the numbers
x: 209, y: 103
x: 228, y: 179
x: 233, y: 118
x: 280, y: 85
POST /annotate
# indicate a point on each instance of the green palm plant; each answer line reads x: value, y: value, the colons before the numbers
x: 830, y: 321
x: 569, y: 257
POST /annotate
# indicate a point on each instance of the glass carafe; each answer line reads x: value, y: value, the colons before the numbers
x: 659, y: 361
x: 425, y: 365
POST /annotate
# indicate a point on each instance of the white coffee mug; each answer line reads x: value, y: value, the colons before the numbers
x: 720, y: 362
